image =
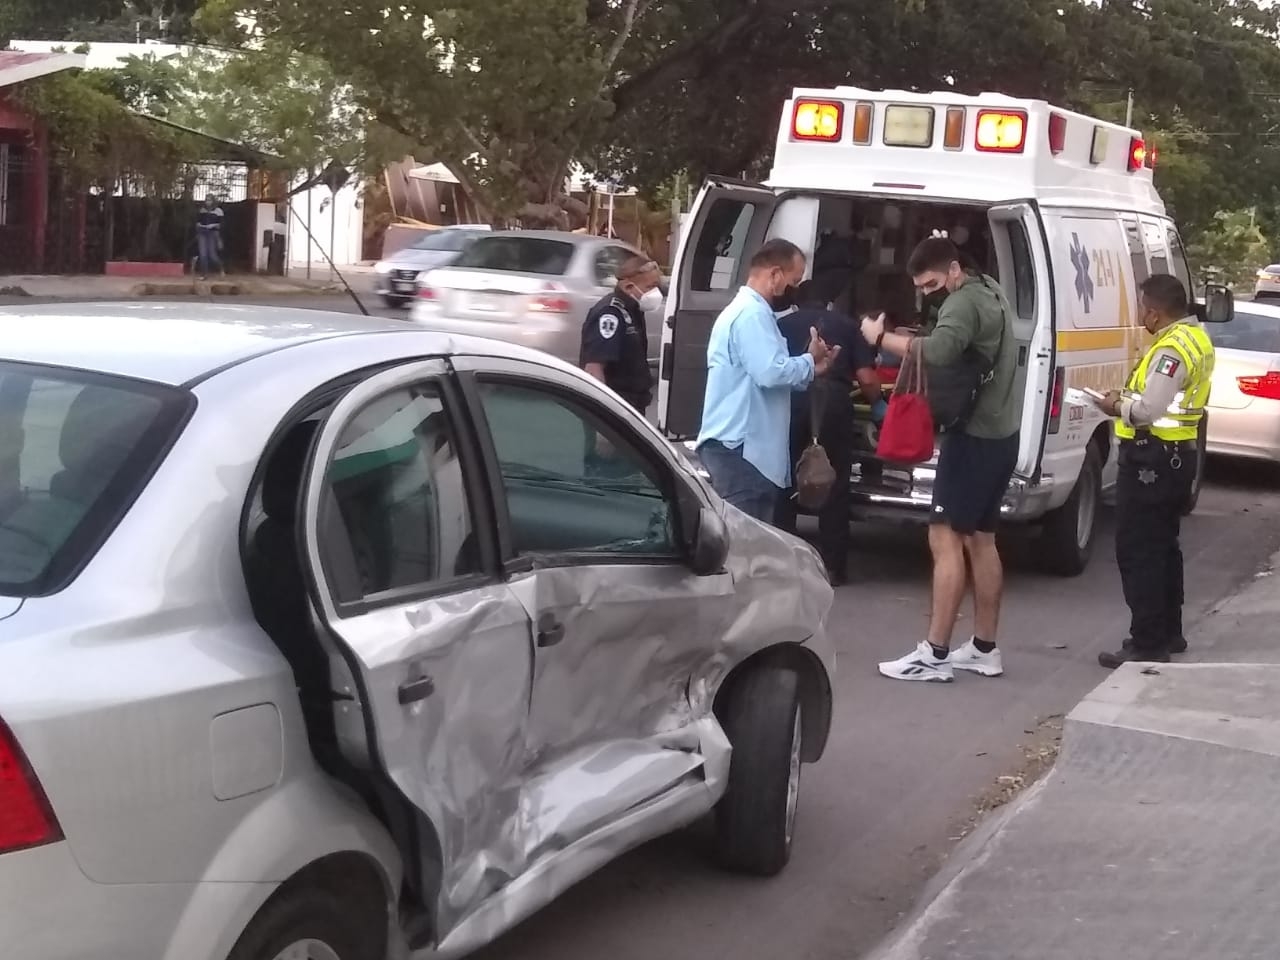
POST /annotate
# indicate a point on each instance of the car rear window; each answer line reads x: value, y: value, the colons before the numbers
x: 1248, y: 331
x: 75, y: 451
x: 448, y: 240
x: 538, y: 255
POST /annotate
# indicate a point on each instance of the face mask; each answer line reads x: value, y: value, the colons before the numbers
x: 932, y: 301
x: 784, y: 300
x: 650, y: 300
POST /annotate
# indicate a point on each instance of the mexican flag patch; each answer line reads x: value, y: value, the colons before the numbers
x: 1167, y: 366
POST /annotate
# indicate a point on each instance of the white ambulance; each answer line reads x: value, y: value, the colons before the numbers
x: 1059, y: 207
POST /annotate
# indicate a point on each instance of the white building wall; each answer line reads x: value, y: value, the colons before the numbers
x: 337, y: 228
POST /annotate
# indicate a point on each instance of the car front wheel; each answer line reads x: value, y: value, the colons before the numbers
x: 755, y: 820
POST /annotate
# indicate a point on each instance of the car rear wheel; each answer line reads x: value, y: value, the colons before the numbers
x: 305, y: 924
x: 395, y: 303
x: 755, y: 820
x: 1068, y: 533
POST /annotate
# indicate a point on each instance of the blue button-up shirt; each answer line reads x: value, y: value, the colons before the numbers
x: 749, y: 382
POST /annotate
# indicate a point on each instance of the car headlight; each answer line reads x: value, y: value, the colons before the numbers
x: 382, y: 267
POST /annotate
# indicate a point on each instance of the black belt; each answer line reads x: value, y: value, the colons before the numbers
x: 1144, y: 440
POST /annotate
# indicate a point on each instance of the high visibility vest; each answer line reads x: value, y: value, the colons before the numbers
x: 1182, y: 421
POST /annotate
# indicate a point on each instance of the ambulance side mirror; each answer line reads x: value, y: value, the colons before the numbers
x: 1219, y: 304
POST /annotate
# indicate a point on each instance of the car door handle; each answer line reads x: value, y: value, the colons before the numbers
x: 416, y: 690
x: 550, y: 631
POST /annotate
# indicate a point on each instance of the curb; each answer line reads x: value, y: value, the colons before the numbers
x: 226, y: 289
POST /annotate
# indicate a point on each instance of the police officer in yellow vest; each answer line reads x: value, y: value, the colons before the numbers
x: 1157, y: 420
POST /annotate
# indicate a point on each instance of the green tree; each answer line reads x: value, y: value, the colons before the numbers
x: 1232, y: 248
x: 96, y: 20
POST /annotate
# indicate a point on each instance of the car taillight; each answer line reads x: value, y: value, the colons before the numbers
x: 426, y: 293
x: 1265, y: 387
x: 551, y: 300
x: 1057, y: 398
x: 26, y: 819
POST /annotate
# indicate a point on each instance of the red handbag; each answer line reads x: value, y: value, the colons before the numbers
x: 906, y: 436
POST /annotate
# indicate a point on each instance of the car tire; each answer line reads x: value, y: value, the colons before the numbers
x: 755, y: 820
x: 395, y: 303
x: 305, y: 924
x: 1069, y: 532
x: 1202, y: 441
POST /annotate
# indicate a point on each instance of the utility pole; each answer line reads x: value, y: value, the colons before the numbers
x: 1128, y: 111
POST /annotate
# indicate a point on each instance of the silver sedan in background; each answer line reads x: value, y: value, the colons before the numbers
x: 398, y: 273
x: 528, y: 287
x: 1244, y: 406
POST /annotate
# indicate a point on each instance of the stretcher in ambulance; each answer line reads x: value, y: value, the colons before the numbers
x: 1059, y: 207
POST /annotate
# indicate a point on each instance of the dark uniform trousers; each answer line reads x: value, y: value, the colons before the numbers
x: 836, y: 435
x: 1153, y: 489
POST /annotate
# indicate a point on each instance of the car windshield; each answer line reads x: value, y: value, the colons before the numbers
x: 539, y: 255
x: 75, y: 450
x: 447, y: 240
x: 1248, y: 331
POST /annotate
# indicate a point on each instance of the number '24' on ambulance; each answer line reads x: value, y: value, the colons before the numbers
x: 1059, y: 207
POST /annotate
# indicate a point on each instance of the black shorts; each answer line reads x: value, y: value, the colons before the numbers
x: 973, y: 477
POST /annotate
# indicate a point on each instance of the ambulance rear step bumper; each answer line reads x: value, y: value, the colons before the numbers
x: 899, y: 494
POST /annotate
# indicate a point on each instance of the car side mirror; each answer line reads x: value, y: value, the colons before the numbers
x: 706, y: 538
x: 1219, y: 304
x: 710, y: 544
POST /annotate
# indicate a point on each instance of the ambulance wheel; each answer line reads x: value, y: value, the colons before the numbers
x: 1066, y: 539
x: 1202, y: 439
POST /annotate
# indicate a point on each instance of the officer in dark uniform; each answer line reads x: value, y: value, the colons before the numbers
x: 830, y: 397
x: 1157, y: 421
x: 615, y: 342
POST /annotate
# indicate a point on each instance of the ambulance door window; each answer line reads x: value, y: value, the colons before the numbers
x: 1137, y: 253
x: 1024, y: 272
x: 1179, y: 258
x: 1153, y: 233
x: 717, y: 258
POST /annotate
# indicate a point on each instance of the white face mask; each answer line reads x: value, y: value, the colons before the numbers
x: 651, y: 300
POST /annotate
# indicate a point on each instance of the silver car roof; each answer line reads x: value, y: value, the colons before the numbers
x: 176, y: 343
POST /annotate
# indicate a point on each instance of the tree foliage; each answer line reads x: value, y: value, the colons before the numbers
x: 96, y: 20
x: 1232, y: 248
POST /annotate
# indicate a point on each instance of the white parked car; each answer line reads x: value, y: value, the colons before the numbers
x: 332, y: 639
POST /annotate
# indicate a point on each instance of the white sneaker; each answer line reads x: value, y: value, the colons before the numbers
x: 974, y: 660
x: 920, y: 664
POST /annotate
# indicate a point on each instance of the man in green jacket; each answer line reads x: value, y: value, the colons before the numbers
x: 976, y: 459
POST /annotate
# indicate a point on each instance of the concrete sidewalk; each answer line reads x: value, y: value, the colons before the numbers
x: 1154, y: 837
x: 98, y: 287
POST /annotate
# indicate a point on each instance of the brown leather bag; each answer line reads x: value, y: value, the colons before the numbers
x: 815, y: 477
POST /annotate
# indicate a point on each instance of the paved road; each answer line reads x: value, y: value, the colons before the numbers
x: 904, y: 763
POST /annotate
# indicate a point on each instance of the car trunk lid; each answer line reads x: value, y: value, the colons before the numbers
x: 490, y: 294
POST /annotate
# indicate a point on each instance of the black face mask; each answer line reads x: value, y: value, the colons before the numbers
x: 785, y: 300
x: 934, y: 301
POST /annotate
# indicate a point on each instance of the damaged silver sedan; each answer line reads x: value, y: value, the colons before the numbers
x: 333, y: 638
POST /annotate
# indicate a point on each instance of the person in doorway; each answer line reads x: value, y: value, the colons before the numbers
x: 976, y: 459
x: 209, y: 237
x: 831, y: 398
x: 615, y: 341
x: 746, y: 413
x: 1158, y: 451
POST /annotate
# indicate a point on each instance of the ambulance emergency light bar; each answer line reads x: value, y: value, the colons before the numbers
x: 912, y: 125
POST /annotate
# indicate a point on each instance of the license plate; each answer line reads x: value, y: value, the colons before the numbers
x: 402, y: 286
x: 486, y: 302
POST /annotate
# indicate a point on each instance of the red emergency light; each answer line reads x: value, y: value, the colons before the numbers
x: 1137, y: 153
x: 820, y: 120
x: 1057, y: 133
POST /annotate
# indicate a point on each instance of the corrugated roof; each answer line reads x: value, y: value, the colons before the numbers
x: 20, y: 67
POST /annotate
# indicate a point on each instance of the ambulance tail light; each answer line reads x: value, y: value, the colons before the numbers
x: 1057, y: 133
x: 817, y: 120
x: 953, y: 134
x: 1057, y: 398
x: 1265, y: 387
x: 862, y: 114
x: 1001, y: 131
x: 553, y: 299
x: 1152, y: 154
x: 1137, y: 153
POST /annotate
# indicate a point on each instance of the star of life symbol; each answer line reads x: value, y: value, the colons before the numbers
x: 608, y: 326
x: 1147, y: 476
x: 1084, y: 283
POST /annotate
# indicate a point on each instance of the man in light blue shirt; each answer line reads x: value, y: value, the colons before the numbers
x: 746, y: 414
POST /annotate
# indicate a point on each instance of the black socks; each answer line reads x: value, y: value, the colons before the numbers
x: 982, y: 646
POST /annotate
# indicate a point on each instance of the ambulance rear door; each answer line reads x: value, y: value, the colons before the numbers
x: 1018, y: 236
x: 728, y: 223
